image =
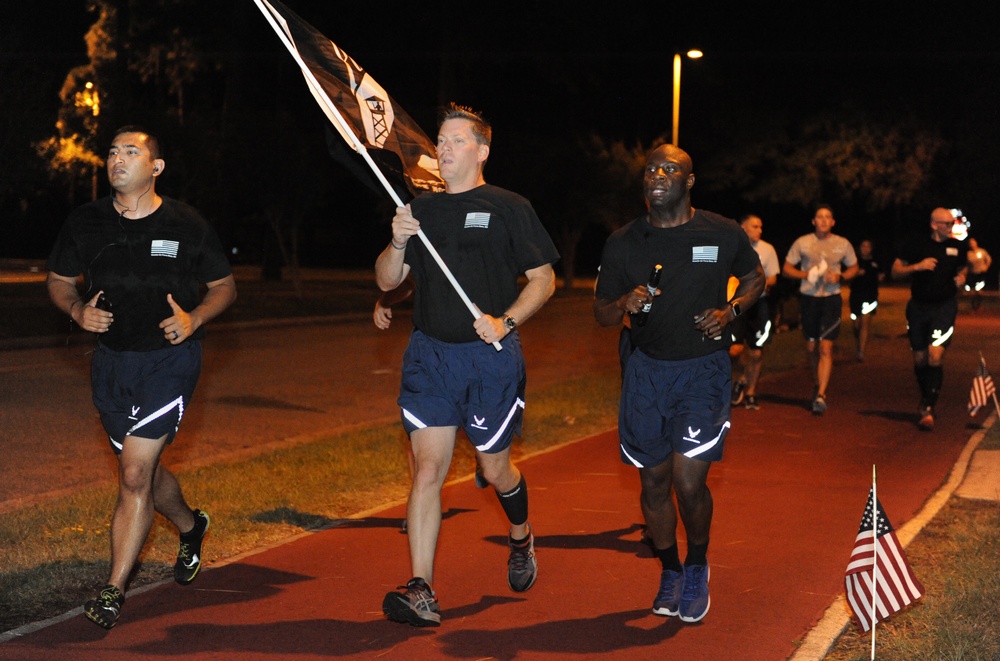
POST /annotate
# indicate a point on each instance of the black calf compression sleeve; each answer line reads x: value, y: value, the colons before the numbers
x: 515, y: 503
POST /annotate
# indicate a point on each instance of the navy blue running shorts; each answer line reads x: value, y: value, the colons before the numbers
x: 144, y: 393
x: 753, y: 327
x: 860, y: 307
x: 930, y: 324
x: 674, y: 406
x: 469, y: 385
x: 820, y: 316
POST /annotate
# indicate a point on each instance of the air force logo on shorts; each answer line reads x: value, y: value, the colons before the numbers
x: 670, y: 406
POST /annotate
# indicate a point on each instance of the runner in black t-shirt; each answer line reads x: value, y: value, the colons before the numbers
x: 453, y: 377
x: 143, y: 259
x: 676, y: 384
x: 937, y: 265
x: 863, y: 300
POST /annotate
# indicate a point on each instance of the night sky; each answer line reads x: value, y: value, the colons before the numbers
x: 540, y: 71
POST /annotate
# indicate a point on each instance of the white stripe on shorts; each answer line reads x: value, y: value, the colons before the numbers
x: 630, y: 457
x: 179, y: 403
x: 496, y: 437
x: 414, y: 419
x: 705, y: 447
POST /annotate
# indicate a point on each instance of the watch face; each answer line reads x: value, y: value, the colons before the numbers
x: 509, y: 323
x: 736, y: 309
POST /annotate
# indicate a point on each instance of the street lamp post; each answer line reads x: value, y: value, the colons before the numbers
x: 694, y: 55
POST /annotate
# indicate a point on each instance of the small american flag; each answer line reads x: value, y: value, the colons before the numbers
x: 163, y: 248
x: 479, y: 219
x: 705, y: 254
x: 982, y: 388
x: 896, y: 585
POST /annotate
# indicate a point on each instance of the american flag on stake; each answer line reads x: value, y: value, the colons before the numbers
x: 879, y: 579
x: 983, y: 388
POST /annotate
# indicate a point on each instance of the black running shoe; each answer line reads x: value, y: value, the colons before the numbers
x: 189, y: 556
x: 416, y: 605
x: 522, y: 568
x: 739, y: 388
x: 105, y: 609
x: 926, y: 419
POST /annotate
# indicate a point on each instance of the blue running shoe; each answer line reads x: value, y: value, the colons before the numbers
x: 694, y: 598
x: 668, y: 599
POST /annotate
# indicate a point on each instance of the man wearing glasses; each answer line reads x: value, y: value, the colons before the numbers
x: 937, y: 265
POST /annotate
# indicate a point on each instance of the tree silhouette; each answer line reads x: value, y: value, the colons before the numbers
x: 873, y: 164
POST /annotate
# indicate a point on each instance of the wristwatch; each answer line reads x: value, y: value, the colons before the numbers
x: 736, y: 308
x: 509, y: 322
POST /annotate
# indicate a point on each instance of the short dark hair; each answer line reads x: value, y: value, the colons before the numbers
x: 822, y: 205
x: 152, y: 140
x: 480, y: 127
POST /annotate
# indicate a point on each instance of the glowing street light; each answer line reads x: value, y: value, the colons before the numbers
x: 694, y: 55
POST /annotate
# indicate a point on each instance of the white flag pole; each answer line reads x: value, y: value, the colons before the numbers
x: 334, y: 115
x: 874, y: 559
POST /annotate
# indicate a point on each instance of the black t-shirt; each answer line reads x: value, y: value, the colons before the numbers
x: 487, y: 237
x: 864, y: 286
x: 938, y: 285
x: 697, y: 258
x: 137, y: 263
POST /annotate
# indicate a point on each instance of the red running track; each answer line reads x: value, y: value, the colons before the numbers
x: 788, y: 500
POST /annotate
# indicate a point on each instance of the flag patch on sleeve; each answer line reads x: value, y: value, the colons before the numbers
x: 480, y: 219
x: 705, y: 254
x: 163, y: 248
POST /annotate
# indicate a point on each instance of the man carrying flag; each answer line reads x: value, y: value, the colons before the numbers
x: 452, y: 376
x: 983, y: 389
x: 878, y: 567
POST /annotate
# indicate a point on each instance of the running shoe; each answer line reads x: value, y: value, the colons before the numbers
x: 105, y: 609
x: 926, y: 419
x: 416, y: 605
x: 189, y: 556
x: 819, y: 405
x: 694, y: 597
x: 668, y: 599
x: 522, y: 568
x: 750, y: 402
x: 739, y: 388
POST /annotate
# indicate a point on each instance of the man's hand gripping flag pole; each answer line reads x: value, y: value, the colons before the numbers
x: 333, y: 114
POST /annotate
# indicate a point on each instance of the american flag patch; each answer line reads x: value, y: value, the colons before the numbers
x: 705, y: 254
x: 162, y: 248
x: 479, y: 219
